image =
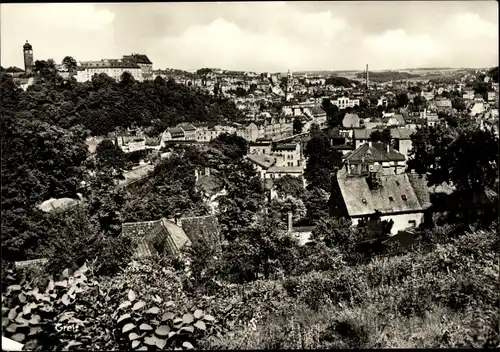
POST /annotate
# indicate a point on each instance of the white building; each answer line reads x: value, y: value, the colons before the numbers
x: 112, y: 68
x: 345, y: 102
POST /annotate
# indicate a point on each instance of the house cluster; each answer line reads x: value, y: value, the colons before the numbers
x: 263, y: 126
x: 273, y: 160
x: 374, y: 179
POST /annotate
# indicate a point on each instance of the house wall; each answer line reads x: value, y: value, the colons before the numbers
x: 401, y: 221
x: 405, y: 146
x: 260, y: 149
x: 288, y: 157
x: 190, y: 135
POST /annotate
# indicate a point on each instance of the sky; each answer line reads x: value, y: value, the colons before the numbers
x: 259, y: 36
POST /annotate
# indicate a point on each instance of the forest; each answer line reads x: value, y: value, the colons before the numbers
x: 261, y: 290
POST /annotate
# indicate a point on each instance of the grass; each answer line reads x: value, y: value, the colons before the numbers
x: 443, y: 299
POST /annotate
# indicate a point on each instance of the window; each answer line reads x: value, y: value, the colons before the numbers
x: 412, y: 223
x: 391, y: 199
x: 403, y: 197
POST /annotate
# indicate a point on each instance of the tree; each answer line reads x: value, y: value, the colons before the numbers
x: 334, y: 115
x: 316, y: 202
x: 297, y: 126
x: 466, y: 157
x: 402, y: 100
x: 322, y: 160
x: 69, y: 63
x: 419, y: 101
x: 493, y: 73
x: 334, y: 233
x: 231, y: 145
x: 284, y: 205
x: 288, y: 185
x: 126, y: 79
x: 243, y: 201
x: 109, y: 155
x: 383, y: 136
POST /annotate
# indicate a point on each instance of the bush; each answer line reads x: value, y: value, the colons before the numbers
x: 143, y: 329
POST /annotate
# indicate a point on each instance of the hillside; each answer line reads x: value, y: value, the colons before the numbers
x: 386, y: 76
x: 436, y: 296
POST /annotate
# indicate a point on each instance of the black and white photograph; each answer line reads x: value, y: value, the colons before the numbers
x: 259, y: 175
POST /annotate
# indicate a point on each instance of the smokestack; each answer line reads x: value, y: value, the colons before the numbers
x: 290, y: 216
x: 367, y: 78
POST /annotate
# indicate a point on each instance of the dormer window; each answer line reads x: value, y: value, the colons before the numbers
x: 391, y: 199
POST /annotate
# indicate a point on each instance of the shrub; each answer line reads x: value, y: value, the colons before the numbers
x: 143, y: 328
x: 32, y: 317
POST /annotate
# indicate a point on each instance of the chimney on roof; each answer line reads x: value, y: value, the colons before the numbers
x: 387, y: 148
x: 370, y: 143
x: 290, y: 217
x: 177, y: 219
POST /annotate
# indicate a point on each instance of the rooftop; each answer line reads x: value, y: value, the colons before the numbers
x: 374, y: 152
x: 138, y: 58
x: 263, y: 161
x: 396, y: 194
x: 285, y: 169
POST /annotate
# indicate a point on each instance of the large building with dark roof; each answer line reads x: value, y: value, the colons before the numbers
x: 373, y: 179
x: 144, y: 63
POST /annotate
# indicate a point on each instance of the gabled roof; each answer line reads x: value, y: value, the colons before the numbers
x: 377, y: 152
x: 363, y: 133
x: 402, y: 132
x: 400, y: 119
x: 154, y: 237
x: 259, y: 143
x: 136, y: 175
x: 187, y: 127
x: 285, y: 169
x: 138, y: 58
x: 176, y: 131
x: 351, y: 120
x: 202, y: 227
x: 317, y: 111
x: 395, y: 195
x: 263, y: 161
x: 285, y: 146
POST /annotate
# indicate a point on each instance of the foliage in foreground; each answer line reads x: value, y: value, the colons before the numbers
x: 443, y: 297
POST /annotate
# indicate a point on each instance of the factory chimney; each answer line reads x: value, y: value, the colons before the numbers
x: 367, y: 79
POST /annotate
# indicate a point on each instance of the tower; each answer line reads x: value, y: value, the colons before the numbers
x: 367, y: 79
x: 289, y: 85
x: 28, y: 58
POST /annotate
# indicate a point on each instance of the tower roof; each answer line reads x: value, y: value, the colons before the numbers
x: 27, y: 46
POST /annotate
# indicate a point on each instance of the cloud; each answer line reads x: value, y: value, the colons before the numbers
x: 470, y: 25
x: 396, y: 48
x: 260, y: 36
x: 55, y: 30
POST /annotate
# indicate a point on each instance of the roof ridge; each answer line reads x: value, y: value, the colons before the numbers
x: 141, y: 222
